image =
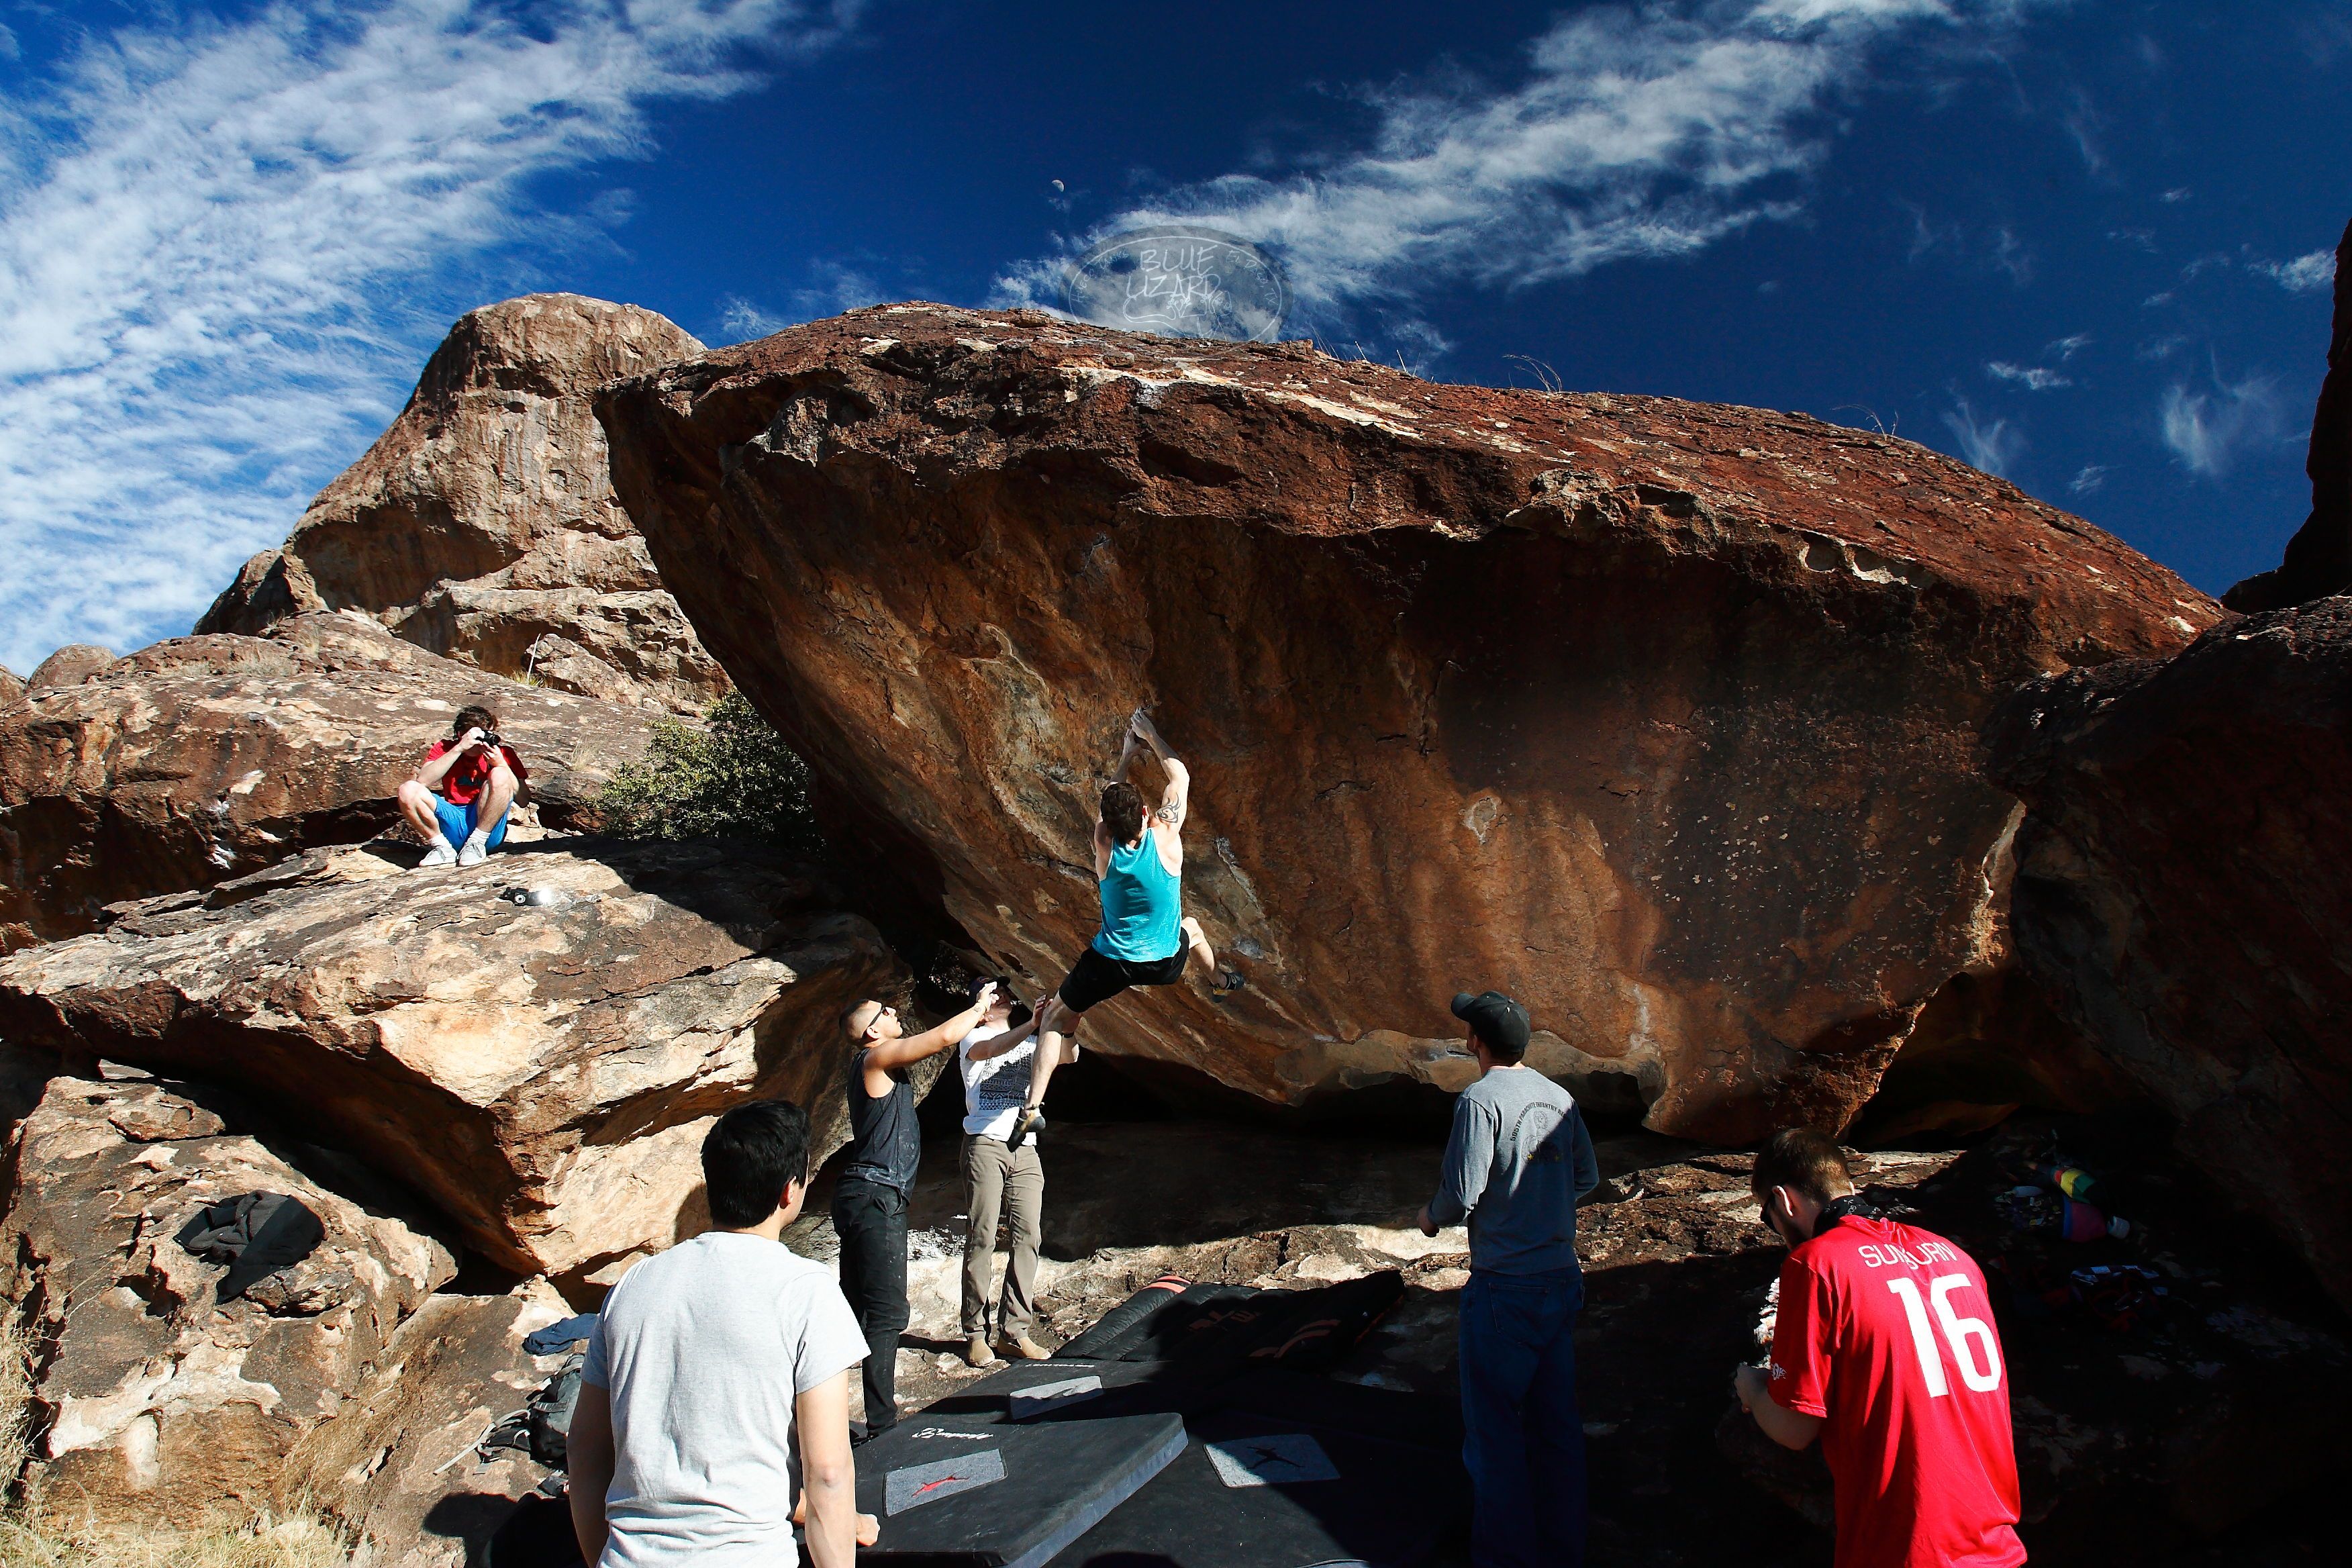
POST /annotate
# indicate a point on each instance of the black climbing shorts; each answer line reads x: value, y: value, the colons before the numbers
x: 1097, y: 977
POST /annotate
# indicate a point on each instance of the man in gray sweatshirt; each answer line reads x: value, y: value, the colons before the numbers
x: 1519, y: 1160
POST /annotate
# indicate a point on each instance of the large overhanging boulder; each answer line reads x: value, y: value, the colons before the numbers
x: 2181, y: 895
x: 543, y: 1071
x: 482, y: 523
x: 157, y: 1398
x: 1660, y: 715
x: 205, y: 758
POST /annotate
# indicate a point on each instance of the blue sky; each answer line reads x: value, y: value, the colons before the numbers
x: 2081, y: 242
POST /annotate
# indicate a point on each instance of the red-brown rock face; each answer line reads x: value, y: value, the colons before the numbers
x: 482, y: 524
x: 205, y: 758
x: 2183, y: 893
x: 1660, y: 715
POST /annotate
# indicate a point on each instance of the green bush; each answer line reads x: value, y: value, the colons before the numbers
x: 733, y: 777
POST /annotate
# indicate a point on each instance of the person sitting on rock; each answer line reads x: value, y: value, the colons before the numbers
x: 869, y: 1201
x: 710, y: 1364
x: 1145, y: 937
x: 994, y: 1060
x: 1883, y: 1348
x: 1518, y: 1158
x: 459, y: 798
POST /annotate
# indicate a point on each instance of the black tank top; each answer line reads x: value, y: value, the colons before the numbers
x: 884, y: 1143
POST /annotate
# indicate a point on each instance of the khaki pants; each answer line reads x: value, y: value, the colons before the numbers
x: 997, y: 1178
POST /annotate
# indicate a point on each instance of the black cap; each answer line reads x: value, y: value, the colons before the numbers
x: 1496, y: 1019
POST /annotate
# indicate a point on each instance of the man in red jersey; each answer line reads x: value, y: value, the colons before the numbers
x: 1885, y: 1349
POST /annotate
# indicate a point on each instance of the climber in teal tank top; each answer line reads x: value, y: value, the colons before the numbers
x: 1146, y: 938
x: 1141, y: 903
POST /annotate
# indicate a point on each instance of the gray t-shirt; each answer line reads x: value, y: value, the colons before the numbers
x: 1519, y: 1160
x: 703, y: 1349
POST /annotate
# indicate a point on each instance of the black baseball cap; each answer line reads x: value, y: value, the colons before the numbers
x: 1496, y: 1019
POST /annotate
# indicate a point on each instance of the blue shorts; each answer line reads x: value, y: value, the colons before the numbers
x: 457, y: 821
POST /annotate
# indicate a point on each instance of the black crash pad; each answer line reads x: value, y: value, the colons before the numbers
x: 1308, y: 1330
x: 1257, y: 1491
x: 968, y: 1493
x: 1395, y: 1415
x: 1064, y: 1389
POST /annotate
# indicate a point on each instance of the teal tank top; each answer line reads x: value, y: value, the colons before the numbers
x: 1142, y: 900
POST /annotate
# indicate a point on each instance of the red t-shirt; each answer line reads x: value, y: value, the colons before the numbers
x: 1886, y: 1332
x: 463, y: 782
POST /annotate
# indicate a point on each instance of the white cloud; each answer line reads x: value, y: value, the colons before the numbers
x: 2068, y: 348
x: 835, y: 289
x: 2174, y: 196
x: 224, y: 246
x: 742, y: 320
x: 2306, y: 274
x: 2034, y: 377
x: 1639, y: 134
x: 2090, y: 481
x: 1994, y: 447
x: 2206, y: 430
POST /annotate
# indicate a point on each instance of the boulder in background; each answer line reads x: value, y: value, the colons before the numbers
x: 482, y: 524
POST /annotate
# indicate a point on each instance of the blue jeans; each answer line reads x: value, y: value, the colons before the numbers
x: 1522, y: 1439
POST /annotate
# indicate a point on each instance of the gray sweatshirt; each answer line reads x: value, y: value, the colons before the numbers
x: 1519, y: 1160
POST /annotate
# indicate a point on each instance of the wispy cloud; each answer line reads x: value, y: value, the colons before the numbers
x: 1638, y: 134
x: 2206, y: 430
x: 2304, y: 275
x: 224, y: 246
x: 2032, y: 377
x: 2068, y: 348
x: 2090, y: 481
x: 742, y: 320
x: 1993, y: 446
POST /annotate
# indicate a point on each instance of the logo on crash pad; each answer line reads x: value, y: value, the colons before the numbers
x: 1272, y: 1461
x: 918, y: 1484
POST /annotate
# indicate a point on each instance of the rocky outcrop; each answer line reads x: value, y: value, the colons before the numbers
x: 482, y: 525
x: 544, y: 1072
x: 2319, y: 557
x: 69, y: 665
x: 205, y: 758
x: 1660, y: 715
x: 2181, y: 896
x: 11, y: 687
x: 397, y: 1467
x: 154, y: 1398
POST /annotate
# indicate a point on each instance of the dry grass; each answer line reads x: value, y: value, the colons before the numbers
x: 297, y: 1542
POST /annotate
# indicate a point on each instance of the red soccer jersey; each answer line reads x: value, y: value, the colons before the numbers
x: 1886, y: 1332
x: 462, y: 782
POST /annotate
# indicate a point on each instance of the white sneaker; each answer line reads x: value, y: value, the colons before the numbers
x: 476, y: 850
x: 441, y: 853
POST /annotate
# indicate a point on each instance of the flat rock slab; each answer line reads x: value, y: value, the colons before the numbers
x: 205, y: 758
x: 1662, y: 716
x: 153, y: 1398
x: 543, y: 1074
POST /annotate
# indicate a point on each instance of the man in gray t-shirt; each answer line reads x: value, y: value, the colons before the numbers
x: 1519, y: 1160
x: 709, y: 1365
